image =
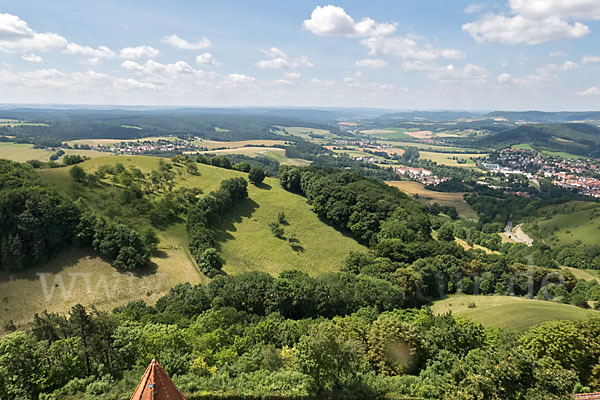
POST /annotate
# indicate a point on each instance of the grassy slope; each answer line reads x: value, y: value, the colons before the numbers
x: 567, y: 223
x: 513, y: 313
x: 23, y: 152
x: 245, y: 241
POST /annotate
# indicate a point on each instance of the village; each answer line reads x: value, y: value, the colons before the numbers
x: 145, y: 147
x: 578, y: 174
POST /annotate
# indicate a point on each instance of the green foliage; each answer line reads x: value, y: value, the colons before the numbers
x: 256, y: 175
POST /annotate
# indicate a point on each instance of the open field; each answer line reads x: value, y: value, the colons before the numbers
x: 23, y: 152
x: 79, y: 276
x: 430, y: 197
x: 585, y: 274
x: 274, y: 153
x: 14, y: 122
x: 355, y: 153
x: 305, y: 132
x: 429, y: 147
x: 466, y: 246
x: 451, y: 159
x: 562, y: 154
x: 512, y: 313
x: 419, y: 134
x: 567, y: 223
x: 388, y: 133
x: 214, y: 144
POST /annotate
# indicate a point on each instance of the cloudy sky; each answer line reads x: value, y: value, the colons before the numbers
x: 397, y: 54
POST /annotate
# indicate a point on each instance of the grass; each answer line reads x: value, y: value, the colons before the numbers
x: 244, y: 240
x: 106, y: 142
x: 388, y: 133
x: 305, y: 132
x: 14, y: 122
x: 561, y: 154
x: 512, y: 313
x: 430, y: 197
x: 23, y: 152
x: 80, y: 276
x: 451, y: 159
x: 214, y: 144
x: 274, y: 153
x: 132, y: 127
x: 429, y: 147
x: 575, y: 221
x: 587, y: 275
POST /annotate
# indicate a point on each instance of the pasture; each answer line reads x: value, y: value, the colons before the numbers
x: 24, y: 152
x: 430, y: 197
x: 214, y: 144
x: 510, y: 313
x: 274, y: 153
x: 575, y: 221
x: 305, y: 133
x: 452, y: 159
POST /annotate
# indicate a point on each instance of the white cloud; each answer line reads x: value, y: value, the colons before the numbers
x: 32, y: 58
x: 371, y: 63
x: 240, y: 78
x: 521, y: 30
x: 183, y: 44
x: 153, y: 67
x: 540, y: 9
x: 535, y: 21
x: 407, y: 48
x: 475, y: 8
x: 16, y: 35
x: 334, y: 21
x: 593, y: 91
x: 100, y: 52
x: 206, y: 59
x: 133, y: 53
x: 569, y: 65
x: 280, y: 60
x: 292, y: 75
x: 448, y: 73
x: 590, y: 60
x: 283, y: 82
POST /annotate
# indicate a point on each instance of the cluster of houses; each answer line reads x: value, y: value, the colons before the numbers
x: 567, y: 173
x: 422, y: 175
x: 147, y: 146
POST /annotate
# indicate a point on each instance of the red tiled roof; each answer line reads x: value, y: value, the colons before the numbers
x: 156, y: 385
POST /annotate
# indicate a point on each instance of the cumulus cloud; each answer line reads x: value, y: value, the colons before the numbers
x: 183, y: 44
x: 408, y: 48
x: 206, y: 59
x: 448, y: 73
x: 593, y: 91
x: 153, y: 67
x: 32, y: 58
x: 475, y: 8
x: 334, y: 21
x: 134, y: 53
x: 535, y: 21
x: 371, y: 63
x: 15, y: 35
x: 280, y: 60
x: 240, y: 78
x: 100, y: 52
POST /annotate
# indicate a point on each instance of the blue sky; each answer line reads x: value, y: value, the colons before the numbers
x: 417, y: 54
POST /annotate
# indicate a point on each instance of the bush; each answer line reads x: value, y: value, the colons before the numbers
x: 256, y: 175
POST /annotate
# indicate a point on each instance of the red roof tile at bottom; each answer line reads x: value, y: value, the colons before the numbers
x: 156, y: 385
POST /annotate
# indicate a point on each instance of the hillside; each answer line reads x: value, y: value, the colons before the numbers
x: 579, y: 139
x: 245, y: 240
x: 511, y: 313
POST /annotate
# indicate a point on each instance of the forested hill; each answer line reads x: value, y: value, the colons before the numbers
x: 580, y: 139
x: 123, y: 124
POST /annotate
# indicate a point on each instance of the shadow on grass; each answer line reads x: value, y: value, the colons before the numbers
x: 244, y: 209
x: 264, y: 186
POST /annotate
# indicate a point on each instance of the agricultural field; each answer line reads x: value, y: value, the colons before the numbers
x: 429, y: 147
x: 566, y: 224
x: 80, y: 276
x: 305, y: 132
x: 388, y: 133
x: 355, y: 153
x: 429, y: 197
x: 274, y: 153
x: 214, y: 144
x: 451, y: 159
x: 510, y: 313
x: 561, y: 154
x: 14, y: 122
x: 244, y: 239
x: 22, y: 152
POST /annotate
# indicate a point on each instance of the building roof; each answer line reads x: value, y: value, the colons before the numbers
x: 156, y: 385
x: 587, y: 396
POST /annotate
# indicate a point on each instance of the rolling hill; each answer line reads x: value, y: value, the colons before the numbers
x: 579, y: 139
x: 511, y: 313
x: 244, y: 240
